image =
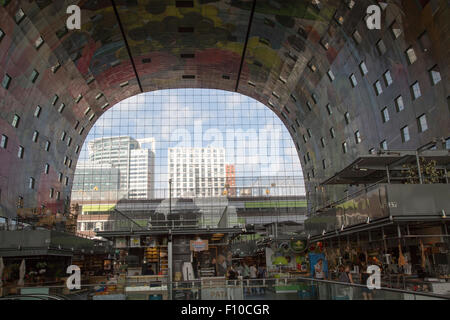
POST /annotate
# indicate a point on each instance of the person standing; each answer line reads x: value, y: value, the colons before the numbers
x: 231, y: 281
x: 262, y: 276
x: 319, y: 274
x: 346, y: 277
x: 366, y: 292
x: 253, y: 277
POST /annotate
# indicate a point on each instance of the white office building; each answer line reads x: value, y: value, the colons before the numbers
x: 135, y: 163
x: 197, y: 172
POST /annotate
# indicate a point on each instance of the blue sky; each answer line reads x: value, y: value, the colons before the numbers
x: 255, y: 139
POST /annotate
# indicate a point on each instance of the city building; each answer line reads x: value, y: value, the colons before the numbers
x: 197, y: 172
x: 95, y: 182
x: 136, y: 164
x: 230, y: 182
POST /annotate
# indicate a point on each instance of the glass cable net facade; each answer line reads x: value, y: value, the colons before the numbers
x: 187, y: 158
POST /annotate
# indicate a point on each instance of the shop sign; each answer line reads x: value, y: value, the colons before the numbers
x: 121, y: 242
x: 298, y: 246
x: 199, y: 245
x: 135, y: 242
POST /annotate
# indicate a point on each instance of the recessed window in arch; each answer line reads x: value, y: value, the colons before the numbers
x: 192, y: 151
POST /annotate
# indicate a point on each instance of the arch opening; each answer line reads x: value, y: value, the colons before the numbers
x: 204, y: 151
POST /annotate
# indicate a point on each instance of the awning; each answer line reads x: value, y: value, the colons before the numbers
x: 370, y: 169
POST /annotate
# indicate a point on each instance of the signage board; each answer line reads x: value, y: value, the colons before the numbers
x: 199, y: 245
x: 135, y: 242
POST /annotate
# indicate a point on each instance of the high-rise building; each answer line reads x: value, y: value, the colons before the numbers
x: 136, y: 164
x: 230, y: 182
x: 95, y: 182
x: 142, y: 175
x: 197, y: 172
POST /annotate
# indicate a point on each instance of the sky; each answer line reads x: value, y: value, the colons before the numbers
x: 254, y: 138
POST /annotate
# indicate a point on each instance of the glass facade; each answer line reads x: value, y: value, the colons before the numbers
x: 189, y: 150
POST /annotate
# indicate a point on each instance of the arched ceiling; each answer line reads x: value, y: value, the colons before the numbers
x: 279, y: 52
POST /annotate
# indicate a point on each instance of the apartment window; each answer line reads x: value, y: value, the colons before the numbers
x: 21, y: 152
x: 35, y: 136
x: 66, y: 181
x: 330, y: 75
x: 347, y: 118
x: 15, y: 121
x: 422, y: 122
x: 60, y: 177
x: 55, y: 99
x: 329, y: 109
x: 38, y: 43
x: 399, y: 104
x: 305, y: 139
x: 405, y: 134
x: 46, y: 168
x: 31, y: 183
x: 435, y: 75
x: 37, y: 111
x: 381, y: 47
x: 69, y: 141
x: 415, y: 90
x: 81, y: 131
x: 322, y: 142
x: 383, y: 145
x: 344, y: 147
x: 358, y: 137
x: 357, y: 37
x: 387, y: 78
x: 332, y: 133
x: 353, y: 80
x: 47, y: 145
x: 2, y: 34
x: 61, y: 108
x: 378, y: 88
x: 372, y: 151
x: 6, y: 81
x: 19, y: 16
x: 58, y: 195
x: 385, y: 114
x: 411, y: 55
x: 52, y: 193
x: 324, y: 164
x: 395, y: 29
x: 308, y: 104
x: 56, y: 67
x: 77, y: 149
x: 34, y: 76
x: 309, y: 133
x: 315, y: 98
x: 363, y: 68
x: 63, y: 136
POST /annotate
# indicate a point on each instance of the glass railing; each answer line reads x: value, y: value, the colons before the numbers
x: 140, y: 288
